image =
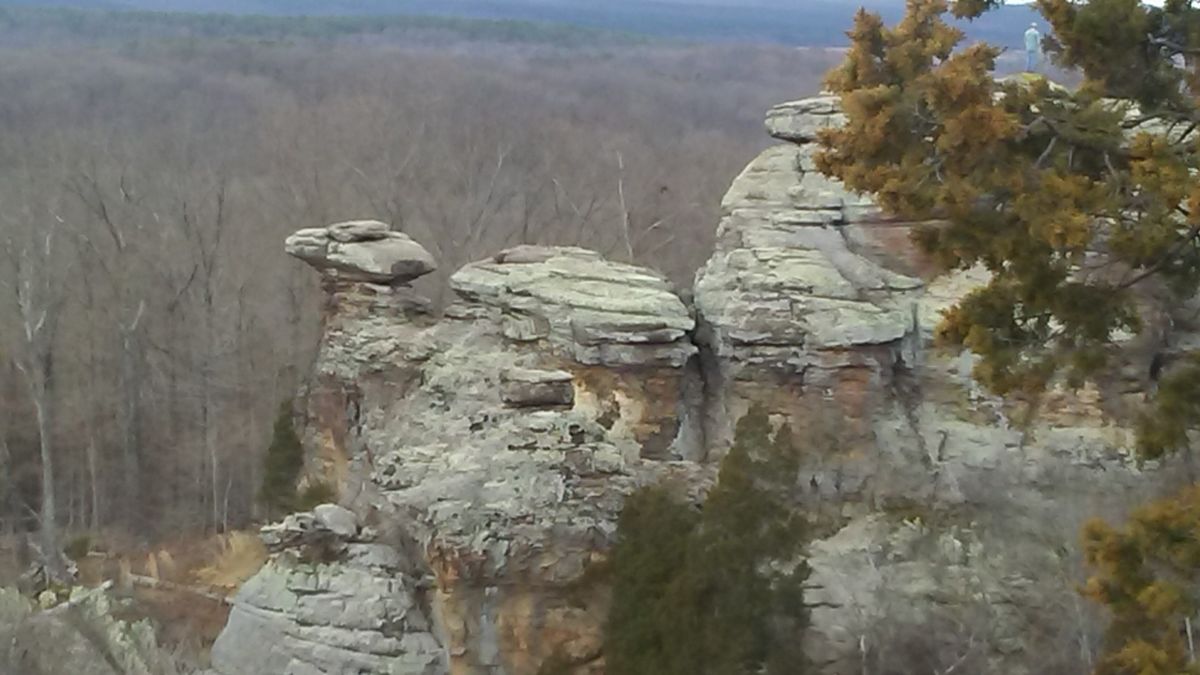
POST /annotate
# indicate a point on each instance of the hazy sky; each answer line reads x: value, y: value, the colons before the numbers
x: 1156, y: 3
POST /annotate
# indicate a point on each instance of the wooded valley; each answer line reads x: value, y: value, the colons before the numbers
x: 152, y: 325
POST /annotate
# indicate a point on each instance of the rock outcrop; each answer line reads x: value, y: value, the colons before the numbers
x: 362, y: 250
x: 490, y: 453
x: 333, y: 600
x: 80, y: 636
x: 485, y: 454
x: 942, y: 516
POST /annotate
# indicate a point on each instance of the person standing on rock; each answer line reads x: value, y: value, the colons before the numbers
x: 1033, y: 48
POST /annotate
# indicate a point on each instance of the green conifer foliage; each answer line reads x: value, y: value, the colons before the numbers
x: 1082, y: 204
x: 1145, y: 573
x: 654, y: 530
x: 284, y: 460
x: 1066, y: 196
x: 719, y: 592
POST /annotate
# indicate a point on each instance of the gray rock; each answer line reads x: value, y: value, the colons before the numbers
x: 490, y: 453
x: 526, y: 253
x: 786, y: 282
x: 359, y: 230
x: 493, y: 468
x: 327, y: 528
x: 80, y: 636
x: 366, y: 251
x: 524, y: 388
x: 802, y: 120
x: 339, y: 520
x: 333, y: 620
x: 582, y: 304
x: 948, y: 521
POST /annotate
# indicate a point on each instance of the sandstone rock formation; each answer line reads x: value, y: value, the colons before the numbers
x: 362, y: 250
x: 944, y: 516
x: 334, y: 600
x: 486, y: 453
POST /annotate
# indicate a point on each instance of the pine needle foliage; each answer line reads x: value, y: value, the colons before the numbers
x: 1076, y: 201
x: 1083, y: 204
x: 720, y: 591
x: 1145, y: 573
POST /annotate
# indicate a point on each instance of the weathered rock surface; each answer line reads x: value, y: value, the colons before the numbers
x: 362, y: 250
x: 537, y: 388
x: 79, y: 636
x: 943, y: 519
x: 591, y: 310
x: 801, y: 121
x: 356, y: 613
x: 486, y: 454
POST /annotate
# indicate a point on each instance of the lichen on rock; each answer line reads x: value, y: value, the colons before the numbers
x: 80, y: 635
x: 362, y: 250
x: 486, y: 453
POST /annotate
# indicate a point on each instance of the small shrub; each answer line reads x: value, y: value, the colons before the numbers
x: 284, y: 460
x: 78, y: 547
x: 314, y: 494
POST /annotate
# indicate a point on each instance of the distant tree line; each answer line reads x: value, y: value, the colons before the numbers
x: 122, y: 25
x: 150, y: 325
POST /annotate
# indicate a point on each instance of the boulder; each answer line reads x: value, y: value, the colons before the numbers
x: 359, y: 231
x: 339, y: 520
x: 296, y: 617
x: 523, y: 388
x: 801, y: 121
x: 362, y: 251
x: 591, y: 310
x: 328, y: 528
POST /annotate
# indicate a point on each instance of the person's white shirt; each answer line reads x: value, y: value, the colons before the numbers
x: 1033, y: 40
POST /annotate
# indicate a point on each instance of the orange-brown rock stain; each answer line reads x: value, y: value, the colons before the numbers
x: 643, y: 401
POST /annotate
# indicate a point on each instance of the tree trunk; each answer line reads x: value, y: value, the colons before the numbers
x: 94, y: 484
x: 51, y: 548
x: 130, y: 423
x: 210, y: 437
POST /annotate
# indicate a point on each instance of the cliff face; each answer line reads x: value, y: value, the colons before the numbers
x: 949, y: 521
x: 485, y: 454
x: 488, y: 454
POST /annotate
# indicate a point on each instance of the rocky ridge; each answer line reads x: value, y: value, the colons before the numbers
x: 484, y: 455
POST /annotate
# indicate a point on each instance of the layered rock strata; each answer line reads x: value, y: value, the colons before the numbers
x: 361, y: 250
x: 486, y: 453
x: 945, y: 517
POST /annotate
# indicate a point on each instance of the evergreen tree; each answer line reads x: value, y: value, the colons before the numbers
x: 723, y: 593
x: 284, y: 460
x: 1076, y: 201
x: 1146, y: 575
x: 1081, y: 203
x: 654, y: 530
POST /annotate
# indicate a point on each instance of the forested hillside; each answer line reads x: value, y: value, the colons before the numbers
x: 149, y: 173
x: 415, y: 336
x: 788, y: 22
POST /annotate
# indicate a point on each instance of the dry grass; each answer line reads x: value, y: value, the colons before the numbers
x: 241, y: 555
